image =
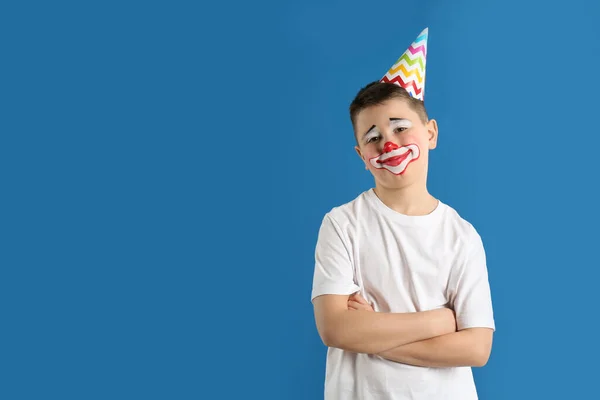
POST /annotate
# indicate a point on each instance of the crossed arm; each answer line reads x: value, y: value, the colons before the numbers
x: 427, y: 339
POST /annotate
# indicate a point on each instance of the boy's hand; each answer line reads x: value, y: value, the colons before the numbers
x: 357, y: 302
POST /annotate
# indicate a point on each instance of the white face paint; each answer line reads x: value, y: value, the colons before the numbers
x: 397, y: 125
x: 394, y: 159
x: 372, y: 136
x: 400, y: 124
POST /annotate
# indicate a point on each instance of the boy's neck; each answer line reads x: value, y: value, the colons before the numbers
x: 413, y: 200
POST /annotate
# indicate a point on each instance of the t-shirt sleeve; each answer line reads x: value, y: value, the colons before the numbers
x: 472, y: 295
x: 333, y: 273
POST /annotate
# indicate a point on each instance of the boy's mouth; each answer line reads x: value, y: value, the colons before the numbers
x: 396, y: 160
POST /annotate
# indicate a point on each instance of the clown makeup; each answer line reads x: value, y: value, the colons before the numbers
x: 394, y: 158
x: 397, y: 125
x: 372, y: 135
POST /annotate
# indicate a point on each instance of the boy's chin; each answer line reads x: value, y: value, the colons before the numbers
x: 390, y: 180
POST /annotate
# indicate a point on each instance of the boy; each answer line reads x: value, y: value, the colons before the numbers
x: 400, y: 292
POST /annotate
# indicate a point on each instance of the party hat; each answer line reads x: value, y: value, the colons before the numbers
x: 409, y: 70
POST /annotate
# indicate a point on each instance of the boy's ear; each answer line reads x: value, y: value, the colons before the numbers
x: 432, y: 132
x: 358, y: 151
x: 361, y: 157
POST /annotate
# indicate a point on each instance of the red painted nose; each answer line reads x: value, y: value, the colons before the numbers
x: 390, y: 146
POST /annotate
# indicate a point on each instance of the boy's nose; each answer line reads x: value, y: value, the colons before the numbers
x: 390, y: 146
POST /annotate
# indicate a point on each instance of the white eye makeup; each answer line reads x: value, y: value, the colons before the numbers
x: 400, y: 124
x: 396, y: 125
x: 372, y: 135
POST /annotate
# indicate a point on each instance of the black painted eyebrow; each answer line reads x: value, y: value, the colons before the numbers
x: 367, y: 132
x: 398, y: 119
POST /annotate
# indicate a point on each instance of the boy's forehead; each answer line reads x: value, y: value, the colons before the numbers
x: 382, y: 113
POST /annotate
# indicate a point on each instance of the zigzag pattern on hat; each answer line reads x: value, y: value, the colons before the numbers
x: 409, y: 70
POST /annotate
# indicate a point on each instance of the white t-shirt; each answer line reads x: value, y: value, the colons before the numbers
x: 401, y: 264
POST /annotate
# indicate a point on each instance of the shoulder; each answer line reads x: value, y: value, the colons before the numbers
x: 463, y: 230
x: 346, y: 214
x: 340, y: 222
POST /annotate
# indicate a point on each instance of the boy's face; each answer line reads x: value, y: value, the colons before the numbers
x: 394, y: 143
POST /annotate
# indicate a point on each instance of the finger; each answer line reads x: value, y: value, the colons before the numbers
x: 359, y: 306
x: 355, y: 305
x: 361, y: 299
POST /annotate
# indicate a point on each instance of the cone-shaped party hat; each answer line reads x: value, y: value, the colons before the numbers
x: 409, y: 69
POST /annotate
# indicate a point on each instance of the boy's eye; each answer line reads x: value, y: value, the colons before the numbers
x: 373, y: 139
x: 400, y: 129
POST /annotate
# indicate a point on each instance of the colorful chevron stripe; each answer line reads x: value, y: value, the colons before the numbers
x: 409, y: 70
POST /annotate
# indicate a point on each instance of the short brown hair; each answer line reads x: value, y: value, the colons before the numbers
x: 378, y: 92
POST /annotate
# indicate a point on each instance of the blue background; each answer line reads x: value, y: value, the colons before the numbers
x: 165, y: 167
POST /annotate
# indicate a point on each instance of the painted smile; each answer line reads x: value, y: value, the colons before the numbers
x: 396, y: 160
